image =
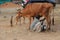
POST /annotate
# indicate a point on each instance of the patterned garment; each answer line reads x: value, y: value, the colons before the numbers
x: 38, y: 24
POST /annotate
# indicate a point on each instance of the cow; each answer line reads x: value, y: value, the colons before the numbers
x: 34, y: 9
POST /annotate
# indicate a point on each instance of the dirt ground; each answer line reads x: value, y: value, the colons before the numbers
x: 21, y: 32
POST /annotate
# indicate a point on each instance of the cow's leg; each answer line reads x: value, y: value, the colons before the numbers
x: 16, y: 20
x: 49, y: 22
x: 20, y: 20
x: 47, y: 16
x: 24, y: 20
x: 52, y: 10
x: 53, y: 18
x: 29, y: 22
x: 48, y: 19
x: 33, y: 17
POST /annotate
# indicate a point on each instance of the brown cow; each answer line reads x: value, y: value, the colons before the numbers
x: 34, y: 9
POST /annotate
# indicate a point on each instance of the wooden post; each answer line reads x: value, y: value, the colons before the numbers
x: 11, y: 21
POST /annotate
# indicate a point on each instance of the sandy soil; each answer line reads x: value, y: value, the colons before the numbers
x: 21, y: 32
